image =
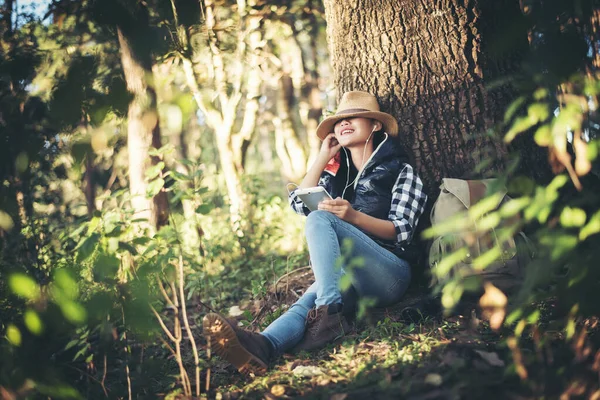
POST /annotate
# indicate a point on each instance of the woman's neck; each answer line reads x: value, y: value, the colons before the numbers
x: 360, y: 154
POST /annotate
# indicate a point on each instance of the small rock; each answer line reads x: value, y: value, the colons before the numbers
x: 491, y: 358
x: 434, y: 379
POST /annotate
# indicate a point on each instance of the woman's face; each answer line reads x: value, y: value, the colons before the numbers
x: 355, y: 131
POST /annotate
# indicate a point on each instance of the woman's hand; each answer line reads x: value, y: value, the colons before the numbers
x: 329, y: 147
x: 340, y: 208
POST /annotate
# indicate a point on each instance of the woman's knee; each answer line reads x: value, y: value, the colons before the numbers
x: 319, y: 218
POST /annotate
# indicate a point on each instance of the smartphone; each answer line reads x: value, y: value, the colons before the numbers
x: 312, y: 196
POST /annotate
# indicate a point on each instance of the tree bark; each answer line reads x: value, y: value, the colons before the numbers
x: 288, y: 146
x: 143, y: 132
x: 428, y: 62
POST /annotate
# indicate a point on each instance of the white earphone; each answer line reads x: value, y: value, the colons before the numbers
x: 363, y: 163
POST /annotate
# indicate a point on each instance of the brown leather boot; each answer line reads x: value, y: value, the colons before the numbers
x: 324, y: 324
x: 245, y: 350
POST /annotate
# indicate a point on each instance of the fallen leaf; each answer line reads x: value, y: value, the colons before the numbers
x: 235, y: 311
x: 493, y: 305
x: 434, y: 379
x: 278, y: 390
x: 307, y: 371
x: 323, y: 380
x: 491, y: 358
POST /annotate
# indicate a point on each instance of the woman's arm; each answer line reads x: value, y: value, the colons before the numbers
x: 329, y: 148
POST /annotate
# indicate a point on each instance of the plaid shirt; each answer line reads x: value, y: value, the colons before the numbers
x: 408, y: 203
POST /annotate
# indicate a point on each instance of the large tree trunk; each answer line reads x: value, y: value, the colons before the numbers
x: 143, y: 132
x: 428, y: 62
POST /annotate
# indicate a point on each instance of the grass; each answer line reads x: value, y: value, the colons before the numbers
x: 386, y: 358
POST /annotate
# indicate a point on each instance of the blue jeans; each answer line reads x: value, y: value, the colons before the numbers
x: 383, y: 276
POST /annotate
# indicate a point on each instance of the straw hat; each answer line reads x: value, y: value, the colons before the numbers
x: 358, y: 104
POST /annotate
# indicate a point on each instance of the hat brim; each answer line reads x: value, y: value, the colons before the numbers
x: 390, y: 126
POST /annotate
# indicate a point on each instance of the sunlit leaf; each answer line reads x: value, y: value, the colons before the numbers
x: 513, y: 108
x: 154, y: 187
x: 513, y: 316
x: 33, y: 322
x: 345, y: 282
x: 6, y: 222
x: 154, y: 170
x: 591, y: 228
x: 572, y: 217
x: 445, y: 265
x: 543, y: 136
x: 540, y: 94
x: 59, y: 391
x: 520, y: 125
x: 66, y: 283
x: 13, y: 334
x: 73, y: 311
x: 562, y: 245
x: 514, y: 206
x: 488, y: 222
x: 487, y: 258
x: 24, y: 286
x: 451, y: 294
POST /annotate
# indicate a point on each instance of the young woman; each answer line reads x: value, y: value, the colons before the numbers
x: 377, y: 202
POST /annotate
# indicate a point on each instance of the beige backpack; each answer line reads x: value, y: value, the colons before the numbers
x: 456, y: 197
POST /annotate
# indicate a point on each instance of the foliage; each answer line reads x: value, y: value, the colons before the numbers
x: 558, y: 109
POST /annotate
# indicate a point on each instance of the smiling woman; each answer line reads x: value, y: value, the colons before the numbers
x: 377, y: 202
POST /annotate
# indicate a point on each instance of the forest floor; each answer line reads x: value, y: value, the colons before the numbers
x: 387, y: 355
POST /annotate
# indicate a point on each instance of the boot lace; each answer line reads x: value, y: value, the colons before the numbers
x: 313, y: 314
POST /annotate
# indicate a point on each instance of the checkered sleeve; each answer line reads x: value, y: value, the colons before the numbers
x: 408, y: 203
x: 297, y: 204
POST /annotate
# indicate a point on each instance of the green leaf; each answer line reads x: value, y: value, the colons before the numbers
x: 178, y: 176
x: 345, y: 282
x: 106, y: 267
x: 572, y: 217
x: 24, y: 286
x: 13, y: 334
x: 538, y: 112
x: 87, y: 246
x: 66, y: 283
x: 204, y: 209
x: 520, y: 125
x: 543, y: 136
x: 540, y: 94
x: 514, y: 206
x: 33, y: 322
x: 71, y: 344
x: 513, y: 108
x: 154, y: 187
x: 591, y: 228
x: 154, y: 170
x: 73, y: 311
x: 116, y: 232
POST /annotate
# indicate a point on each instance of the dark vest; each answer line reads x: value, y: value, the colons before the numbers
x: 373, y: 191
